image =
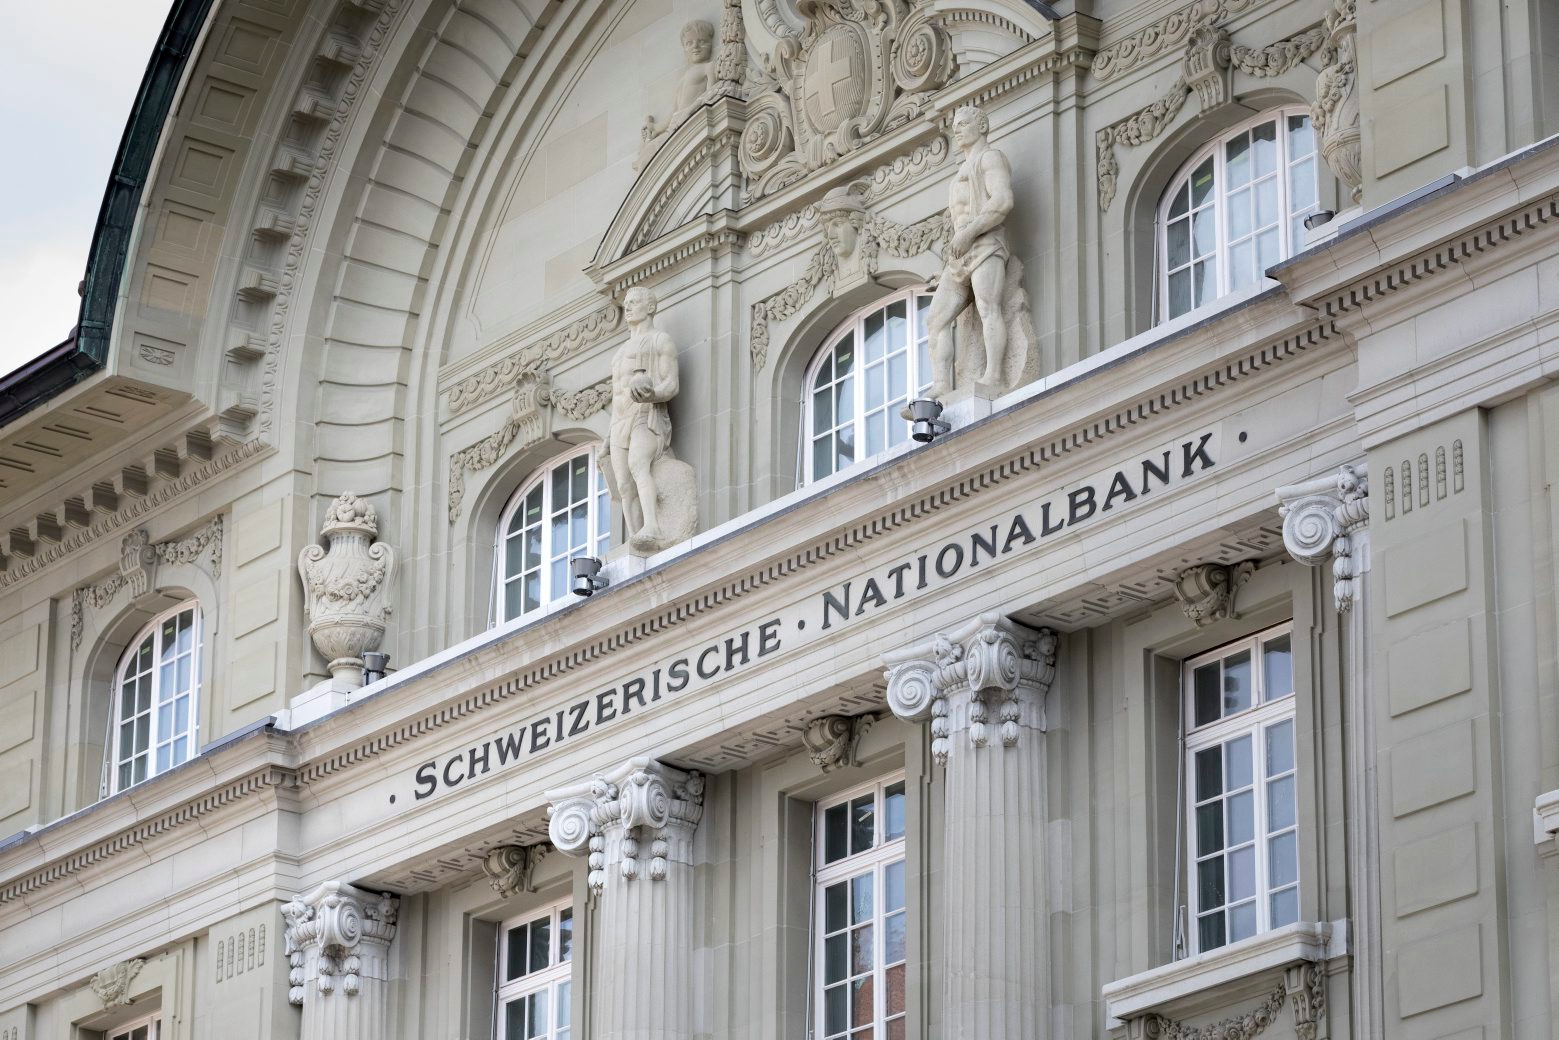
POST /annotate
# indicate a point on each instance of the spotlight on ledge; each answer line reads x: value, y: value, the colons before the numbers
x: 1319, y: 217
x: 374, y: 664
x: 586, y: 574
x: 925, y: 416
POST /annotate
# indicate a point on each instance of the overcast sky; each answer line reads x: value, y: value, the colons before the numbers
x: 69, y: 70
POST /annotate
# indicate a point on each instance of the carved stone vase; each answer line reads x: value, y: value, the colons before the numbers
x: 1335, y: 114
x: 346, y: 587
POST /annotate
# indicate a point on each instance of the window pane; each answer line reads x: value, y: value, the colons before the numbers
x: 893, y: 941
x: 863, y: 823
x: 863, y: 950
x: 1265, y: 150
x: 836, y: 830
x: 1242, y: 265
x: 1209, y: 828
x: 1269, y: 250
x: 861, y: 899
x: 1237, y: 160
x: 1237, y: 207
x: 565, y: 936
x: 1277, y: 663
x: 1209, y: 773
x: 1280, y: 747
x: 893, y: 887
x: 1204, y: 232
x: 862, y: 1005
x: 1242, y: 874
x: 514, y: 955
x: 1301, y: 141
x: 895, y: 995
x: 822, y: 457
x: 836, y: 957
x: 1179, y: 243
x: 1242, y: 921
x: 1241, y: 817
x: 1285, y: 907
x: 565, y: 1010
x: 1209, y: 875
x: 836, y: 1010
x: 1210, y: 931
x: 1202, y: 183
x: 1280, y: 803
x: 893, y: 812
x: 1179, y: 293
x: 538, y: 1014
x: 514, y: 1020
x: 540, y: 943
x: 559, y: 477
x: 1283, y: 859
x: 836, y: 906
x: 1236, y: 683
x: 1205, y: 682
x: 1202, y: 284
x: 1238, y: 769
x: 876, y: 336
x: 822, y: 410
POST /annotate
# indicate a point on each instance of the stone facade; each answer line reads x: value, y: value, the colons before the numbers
x: 382, y: 264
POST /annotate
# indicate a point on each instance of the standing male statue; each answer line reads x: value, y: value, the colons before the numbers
x: 976, y: 262
x: 644, y: 380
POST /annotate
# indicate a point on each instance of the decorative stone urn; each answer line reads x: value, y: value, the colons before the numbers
x: 345, y: 588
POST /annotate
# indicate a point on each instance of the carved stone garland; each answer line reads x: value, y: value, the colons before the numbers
x: 138, y: 561
x: 1322, y: 519
x: 876, y: 235
x: 346, y: 588
x: 1305, y: 984
x: 1210, y: 58
x: 852, y: 72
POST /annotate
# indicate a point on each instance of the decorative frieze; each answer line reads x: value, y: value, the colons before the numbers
x: 1206, y: 592
x: 112, y: 984
x: 834, y: 741
x: 615, y: 815
x: 531, y: 359
x: 1163, y: 35
x: 509, y: 868
x: 1322, y: 520
x: 346, y: 587
x: 953, y: 678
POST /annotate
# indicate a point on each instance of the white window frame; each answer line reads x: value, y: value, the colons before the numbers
x: 596, y: 542
x: 1288, y: 214
x: 153, y: 1024
x: 159, y: 734
x: 1254, y: 722
x: 556, y: 979
x: 918, y: 379
x: 875, y: 860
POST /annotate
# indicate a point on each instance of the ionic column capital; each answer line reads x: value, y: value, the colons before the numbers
x: 1322, y: 518
x: 985, y: 656
x: 340, y: 925
x: 610, y: 815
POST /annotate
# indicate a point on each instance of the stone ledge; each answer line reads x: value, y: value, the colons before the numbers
x: 1545, y: 823
x: 1222, y: 976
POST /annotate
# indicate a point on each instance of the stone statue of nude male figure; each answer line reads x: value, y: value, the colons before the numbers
x: 975, y: 268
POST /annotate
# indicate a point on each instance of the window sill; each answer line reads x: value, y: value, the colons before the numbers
x: 1224, y: 976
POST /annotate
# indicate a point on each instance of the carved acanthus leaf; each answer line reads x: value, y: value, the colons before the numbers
x: 581, y: 404
x: 510, y: 868
x: 112, y: 985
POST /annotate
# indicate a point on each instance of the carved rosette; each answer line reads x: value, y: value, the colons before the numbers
x: 834, y: 741
x: 1335, y: 114
x: 1206, y: 592
x: 615, y: 815
x: 1323, y: 519
x: 337, y: 935
x: 955, y: 679
x: 849, y: 74
x: 509, y: 868
x: 346, y: 587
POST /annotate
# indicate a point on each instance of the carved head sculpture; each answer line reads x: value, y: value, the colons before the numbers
x: 698, y: 41
x: 843, y: 216
x: 970, y: 125
x: 639, y: 305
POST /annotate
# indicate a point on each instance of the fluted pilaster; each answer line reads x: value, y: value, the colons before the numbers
x: 338, y: 942
x: 984, y: 686
x: 636, y: 823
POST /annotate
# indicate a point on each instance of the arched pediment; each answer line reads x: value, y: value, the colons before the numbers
x: 695, y: 174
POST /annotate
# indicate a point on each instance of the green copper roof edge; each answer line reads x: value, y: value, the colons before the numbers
x: 115, y: 220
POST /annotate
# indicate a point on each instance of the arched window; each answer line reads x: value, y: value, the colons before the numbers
x: 1236, y: 209
x: 156, y: 723
x: 870, y: 368
x: 561, y: 512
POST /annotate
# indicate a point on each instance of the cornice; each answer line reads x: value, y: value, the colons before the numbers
x: 325, y: 753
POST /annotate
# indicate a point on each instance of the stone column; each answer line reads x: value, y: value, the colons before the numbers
x: 984, y: 685
x: 338, y: 941
x: 1326, y: 520
x: 636, y: 823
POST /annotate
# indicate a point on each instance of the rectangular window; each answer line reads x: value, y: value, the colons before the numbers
x: 140, y: 1029
x: 1241, y: 789
x: 535, y: 968
x: 861, y: 925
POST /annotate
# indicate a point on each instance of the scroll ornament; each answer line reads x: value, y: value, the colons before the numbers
x: 509, y: 868
x: 336, y: 919
x: 987, y: 658
x: 640, y: 802
x: 852, y: 72
x: 1323, y: 519
x: 112, y: 984
x: 138, y: 561
x: 1207, y: 591
x: 346, y: 588
x: 834, y: 741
